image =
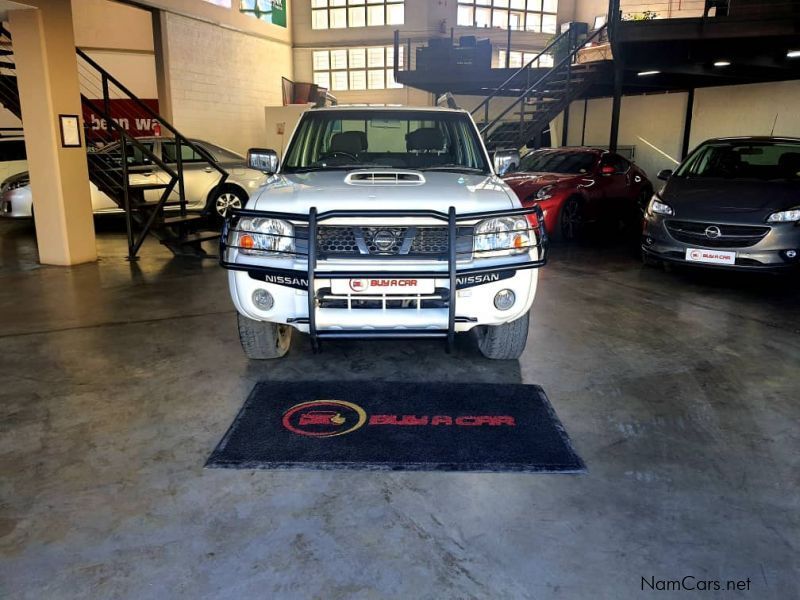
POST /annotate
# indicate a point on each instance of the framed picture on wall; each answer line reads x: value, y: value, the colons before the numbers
x: 70, y: 131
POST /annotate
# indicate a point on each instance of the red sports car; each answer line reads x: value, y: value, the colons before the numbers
x: 577, y: 186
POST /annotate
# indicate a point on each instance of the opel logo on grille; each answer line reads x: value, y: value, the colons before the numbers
x: 384, y: 240
x: 713, y: 232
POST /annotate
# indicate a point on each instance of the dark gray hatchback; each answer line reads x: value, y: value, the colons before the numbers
x: 733, y: 203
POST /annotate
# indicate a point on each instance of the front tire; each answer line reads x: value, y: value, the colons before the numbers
x: 225, y: 200
x: 262, y: 340
x: 570, y: 221
x: 506, y: 341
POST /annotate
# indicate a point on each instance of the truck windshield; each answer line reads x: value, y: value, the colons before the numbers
x: 743, y: 159
x: 398, y: 139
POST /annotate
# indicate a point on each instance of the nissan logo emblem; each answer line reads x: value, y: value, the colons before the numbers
x: 713, y: 232
x: 383, y: 240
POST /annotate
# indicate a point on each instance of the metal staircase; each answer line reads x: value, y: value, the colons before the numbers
x: 115, y: 158
x: 532, y: 98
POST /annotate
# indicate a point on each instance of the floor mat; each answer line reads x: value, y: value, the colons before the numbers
x: 397, y: 426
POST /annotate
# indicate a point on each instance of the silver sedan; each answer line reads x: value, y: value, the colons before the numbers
x: 200, y: 180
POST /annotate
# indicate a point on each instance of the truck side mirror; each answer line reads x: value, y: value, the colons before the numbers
x: 665, y: 174
x: 263, y: 160
x: 506, y: 161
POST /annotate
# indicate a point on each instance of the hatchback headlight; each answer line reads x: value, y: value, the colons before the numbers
x: 659, y: 208
x: 264, y: 237
x: 785, y: 216
x: 503, y: 236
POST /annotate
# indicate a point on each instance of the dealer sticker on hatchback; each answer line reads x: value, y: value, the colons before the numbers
x: 716, y: 257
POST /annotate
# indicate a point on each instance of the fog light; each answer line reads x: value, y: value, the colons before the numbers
x: 791, y: 254
x: 263, y: 299
x: 648, y: 240
x: 504, y: 299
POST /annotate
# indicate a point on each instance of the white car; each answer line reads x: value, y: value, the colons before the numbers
x: 383, y: 222
x: 200, y: 180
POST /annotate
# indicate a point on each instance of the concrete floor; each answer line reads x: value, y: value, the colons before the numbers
x: 679, y: 390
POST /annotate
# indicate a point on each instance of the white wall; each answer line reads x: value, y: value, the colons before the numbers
x: 221, y: 80
x: 747, y: 110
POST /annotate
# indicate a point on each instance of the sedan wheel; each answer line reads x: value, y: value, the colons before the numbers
x: 226, y: 202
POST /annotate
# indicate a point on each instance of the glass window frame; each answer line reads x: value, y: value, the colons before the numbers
x: 354, y: 11
x: 500, y: 14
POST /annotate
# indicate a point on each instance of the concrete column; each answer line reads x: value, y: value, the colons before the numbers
x: 47, y: 76
x: 161, y: 48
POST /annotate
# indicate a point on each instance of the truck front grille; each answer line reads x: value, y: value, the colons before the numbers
x: 439, y: 299
x: 413, y: 241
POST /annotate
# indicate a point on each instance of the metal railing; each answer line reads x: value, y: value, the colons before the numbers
x: 642, y: 10
x: 562, y: 67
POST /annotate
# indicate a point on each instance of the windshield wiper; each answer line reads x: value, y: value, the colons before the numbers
x: 455, y: 168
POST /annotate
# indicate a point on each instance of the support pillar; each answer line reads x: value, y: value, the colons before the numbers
x: 47, y: 77
x: 687, y: 124
x: 616, y: 106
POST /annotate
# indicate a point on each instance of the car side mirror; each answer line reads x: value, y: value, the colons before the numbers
x: 263, y: 160
x: 664, y: 174
x: 607, y: 170
x: 505, y: 161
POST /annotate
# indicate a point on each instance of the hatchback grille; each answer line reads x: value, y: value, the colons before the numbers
x: 730, y: 236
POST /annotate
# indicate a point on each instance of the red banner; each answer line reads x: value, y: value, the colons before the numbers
x: 129, y: 115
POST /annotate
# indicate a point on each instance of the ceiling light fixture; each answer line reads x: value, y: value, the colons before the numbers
x: 722, y: 63
x: 793, y: 54
x: 646, y: 73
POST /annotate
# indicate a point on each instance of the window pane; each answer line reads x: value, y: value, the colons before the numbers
x: 548, y: 23
x: 501, y: 59
x: 546, y: 60
x: 338, y: 19
x: 376, y: 80
x: 358, y: 80
x: 501, y: 3
x: 466, y: 16
x: 535, y: 5
x: 339, y: 80
x: 375, y: 15
x: 323, y: 80
x: 550, y: 6
x: 483, y: 17
x: 500, y: 19
x: 321, y: 60
x: 319, y: 19
x: 515, y: 20
x: 338, y: 2
x: 516, y: 60
x: 395, y: 14
x: 319, y: 3
x: 358, y: 17
x: 338, y: 59
x: 533, y: 22
x: 358, y: 58
x: 390, y: 82
x: 518, y: 4
x: 375, y: 57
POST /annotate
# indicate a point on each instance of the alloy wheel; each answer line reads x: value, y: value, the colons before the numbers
x: 570, y: 219
x: 227, y: 201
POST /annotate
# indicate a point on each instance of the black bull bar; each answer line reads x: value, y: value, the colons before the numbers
x: 304, y: 279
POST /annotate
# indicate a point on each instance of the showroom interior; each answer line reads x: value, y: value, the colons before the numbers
x: 511, y: 309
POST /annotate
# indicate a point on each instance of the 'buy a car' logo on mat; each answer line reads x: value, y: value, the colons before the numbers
x: 329, y: 418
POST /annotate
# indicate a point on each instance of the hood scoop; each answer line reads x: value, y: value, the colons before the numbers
x: 392, y: 178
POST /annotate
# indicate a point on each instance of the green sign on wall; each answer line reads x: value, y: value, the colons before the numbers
x: 271, y: 11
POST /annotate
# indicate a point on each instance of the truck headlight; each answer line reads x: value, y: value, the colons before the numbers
x: 785, y: 216
x: 264, y: 237
x: 659, y: 208
x: 503, y: 236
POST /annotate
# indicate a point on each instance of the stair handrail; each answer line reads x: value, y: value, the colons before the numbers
x: 532, y: 87
x: 524, y: 67
x: 178, y: 135
x: 124, y: 134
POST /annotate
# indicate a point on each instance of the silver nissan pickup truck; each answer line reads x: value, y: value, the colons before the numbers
x: 383, y: 223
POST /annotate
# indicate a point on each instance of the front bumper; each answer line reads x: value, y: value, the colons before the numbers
x: 768, y: 254
x: 465, y: 289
